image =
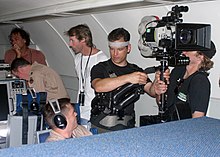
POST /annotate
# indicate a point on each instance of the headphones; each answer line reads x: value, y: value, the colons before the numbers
x: 34, y: 106
x: 59, y: 119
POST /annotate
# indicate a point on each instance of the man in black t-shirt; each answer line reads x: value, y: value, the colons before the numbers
x: 110, y: 76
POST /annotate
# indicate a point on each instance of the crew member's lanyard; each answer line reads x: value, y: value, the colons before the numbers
x: 83, y: 76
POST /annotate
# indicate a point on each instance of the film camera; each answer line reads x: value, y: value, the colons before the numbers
x: 166, y: 38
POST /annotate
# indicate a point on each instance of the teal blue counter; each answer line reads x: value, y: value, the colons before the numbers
x: 193, y: 137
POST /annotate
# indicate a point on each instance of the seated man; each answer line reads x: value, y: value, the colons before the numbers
x: 61, y: 117
x: 40, y: 77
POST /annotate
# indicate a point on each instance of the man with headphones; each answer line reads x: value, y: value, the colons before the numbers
x: 61, y: 118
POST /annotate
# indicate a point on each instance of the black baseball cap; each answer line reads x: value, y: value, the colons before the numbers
x: 210, y: 53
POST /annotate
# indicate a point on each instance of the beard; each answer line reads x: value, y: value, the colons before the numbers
x: 75, y: 51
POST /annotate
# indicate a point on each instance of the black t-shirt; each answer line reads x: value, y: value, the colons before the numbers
x: 100, y: 71
x: 193, y: 91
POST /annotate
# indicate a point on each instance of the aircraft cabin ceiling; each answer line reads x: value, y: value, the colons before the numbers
x: 18, y: 11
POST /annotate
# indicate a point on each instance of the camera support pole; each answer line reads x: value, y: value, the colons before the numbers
x: 163, y: 98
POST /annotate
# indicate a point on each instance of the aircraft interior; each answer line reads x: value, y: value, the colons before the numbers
x: 47, y: 22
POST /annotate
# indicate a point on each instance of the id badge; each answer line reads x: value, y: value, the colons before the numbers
x: 81, y: 98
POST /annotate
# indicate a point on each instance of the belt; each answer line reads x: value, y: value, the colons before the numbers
x: 110, y: 121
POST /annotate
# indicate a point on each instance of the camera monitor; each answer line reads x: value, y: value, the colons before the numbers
x: 193, y: 37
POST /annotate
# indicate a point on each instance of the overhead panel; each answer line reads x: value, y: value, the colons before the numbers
x: 23, y: 10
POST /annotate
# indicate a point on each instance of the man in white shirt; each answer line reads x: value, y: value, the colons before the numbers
x: 87, y: 55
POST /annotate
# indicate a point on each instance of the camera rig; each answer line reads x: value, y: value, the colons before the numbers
x: 113, y: 102
x: 169, y: 37
x: 161, y: 39
x: 166, y: 38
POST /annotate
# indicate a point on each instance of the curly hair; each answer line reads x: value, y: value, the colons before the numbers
x: 206, y: 64
x: 25, y: 35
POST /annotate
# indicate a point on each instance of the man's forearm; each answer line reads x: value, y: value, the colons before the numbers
x: 108, y: 84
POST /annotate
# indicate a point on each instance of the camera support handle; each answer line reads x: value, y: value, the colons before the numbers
x: 163, y: 98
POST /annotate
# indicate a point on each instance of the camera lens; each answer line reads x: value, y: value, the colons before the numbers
x: 185, y: 36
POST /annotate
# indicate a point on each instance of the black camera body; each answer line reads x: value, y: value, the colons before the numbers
x: 191, y: 37
x: 168, y: 37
